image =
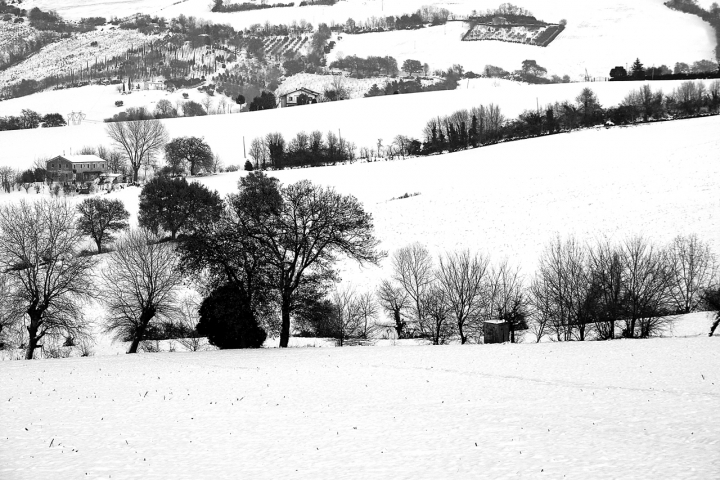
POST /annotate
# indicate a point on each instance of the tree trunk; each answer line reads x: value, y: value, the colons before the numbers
x: 32, y: 335
x: 135, y: 173
x: 285, y: 328
x: 715, y: 324
x: 99, y: 245
x: 145, y: 318
x: 463, y: 337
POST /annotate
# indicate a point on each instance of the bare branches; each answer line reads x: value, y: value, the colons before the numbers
x: 139, y: 140
x: 462, y: 278
x: 694, y: 269
x: 48, y: 280
x: 139, y: 285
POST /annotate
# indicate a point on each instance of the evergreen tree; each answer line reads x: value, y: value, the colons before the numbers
x: 638, y: 72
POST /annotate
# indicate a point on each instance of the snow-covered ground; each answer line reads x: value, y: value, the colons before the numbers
x: 594, y: 42
x: 356, y: 87
x: 97, y: 102
x: 600, y: 410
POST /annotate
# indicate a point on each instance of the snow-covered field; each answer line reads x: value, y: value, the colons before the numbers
x: 74, y: 53
x: 356, y: 87
x: 596, y: 41
x: 362, y: 121
x: 598, y: 410
x: 97, y: 102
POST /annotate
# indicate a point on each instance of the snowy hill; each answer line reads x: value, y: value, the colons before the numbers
x: 599, y: 35
x: 361, y: 121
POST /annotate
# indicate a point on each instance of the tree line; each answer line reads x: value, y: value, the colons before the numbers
x: 264, y: 261
x: 631, y: 289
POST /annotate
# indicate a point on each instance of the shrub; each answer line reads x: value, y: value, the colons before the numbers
x: 248, y: 166
x: 228, y: 321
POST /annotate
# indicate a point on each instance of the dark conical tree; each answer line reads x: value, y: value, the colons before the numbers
x: 228, y: 321
x: 638, y: 72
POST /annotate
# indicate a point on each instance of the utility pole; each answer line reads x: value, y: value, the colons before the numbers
x: 244, y: 147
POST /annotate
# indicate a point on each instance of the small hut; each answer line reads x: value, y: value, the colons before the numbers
x: 496, y: 331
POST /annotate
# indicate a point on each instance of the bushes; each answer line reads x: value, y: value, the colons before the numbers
x: 228, y: 321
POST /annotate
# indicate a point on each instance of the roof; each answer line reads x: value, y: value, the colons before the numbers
x: 302, y: 89
x: 79, y: 158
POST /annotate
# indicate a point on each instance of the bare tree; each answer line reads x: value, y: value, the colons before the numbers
x: 462, y: 277
x: 394, y: 300
x: 7, y: 176
x: 346, y: 322
x: 413, y: 271
x: 436, y: 323
x: 140, y: 141
x: 694, y: 269
x: 367, y: 311
x: 139, y: 285
x: 207, y: 103
x: 507, y: 297
x: 100, y: 218
x: 606, y: 269
x: 646, y: 281
x: 541, y: 308
x: 48, y: 280
x: 258, y: 152
x: 563, y: 273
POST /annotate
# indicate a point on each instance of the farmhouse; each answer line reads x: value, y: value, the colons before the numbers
x: 301, y: 96
x: 76, y: 168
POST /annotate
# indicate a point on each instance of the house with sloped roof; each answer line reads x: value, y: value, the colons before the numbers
x: 75, y: 168
x: 301, y: 96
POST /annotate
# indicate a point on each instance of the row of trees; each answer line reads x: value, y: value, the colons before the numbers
x: 579, y: 291
x: 486, y: 124
x: 266, y: 255
x: 305, y: 149
x: 681, y: 70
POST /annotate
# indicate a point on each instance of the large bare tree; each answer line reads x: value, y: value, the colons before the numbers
x: 646, y: 278
x: 413, y: 270
x: 301, y: 230
x: 507, y: 298
x: 462, y: 278
x: 394, y: 300
x: 140, y: 141
x: 139, y: 285
x: 48, y: 281
x: 693, y: 270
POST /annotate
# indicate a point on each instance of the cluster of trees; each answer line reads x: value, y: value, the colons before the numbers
x: 579, y: 292
x: 257, y: 256
x: 512, y: 13
x: 367, y: 67
x: 469, y: 128
x: 426, y: 15
x: 221, y: 6
x: 31, y: 119
x: 166, y: 109
x: 305, y: 149
x: 681, y: 71
x: 529, y: 72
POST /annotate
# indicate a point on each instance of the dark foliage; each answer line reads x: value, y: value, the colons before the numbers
x: 227, y: 320
x: 174, y: 205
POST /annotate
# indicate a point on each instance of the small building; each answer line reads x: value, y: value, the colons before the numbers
x: 496, y: 331
x: 301, y: 96
x: 75, y: 168
x: 154, y: 85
